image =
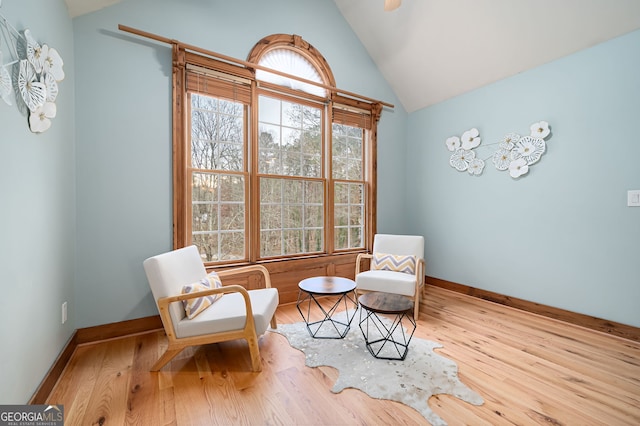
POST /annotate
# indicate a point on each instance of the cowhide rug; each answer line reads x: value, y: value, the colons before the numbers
x: 412, y: 382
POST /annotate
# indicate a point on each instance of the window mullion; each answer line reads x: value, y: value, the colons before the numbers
x: 329, y: 192
x: 253, y: 224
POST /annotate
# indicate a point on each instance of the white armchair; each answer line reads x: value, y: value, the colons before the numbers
x: 396, y: 266
x: 239, y: 314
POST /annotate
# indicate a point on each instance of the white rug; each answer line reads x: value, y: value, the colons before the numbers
x: 412, y: 382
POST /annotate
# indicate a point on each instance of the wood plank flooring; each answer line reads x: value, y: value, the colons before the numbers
x: 529, y: 369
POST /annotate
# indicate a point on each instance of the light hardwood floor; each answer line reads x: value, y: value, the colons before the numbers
x: 529, y: 369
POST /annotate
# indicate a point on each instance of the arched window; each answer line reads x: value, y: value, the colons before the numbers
x: 290, y: 54
x: 272, y: 161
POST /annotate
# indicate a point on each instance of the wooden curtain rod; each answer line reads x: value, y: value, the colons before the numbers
x: 246, y: 64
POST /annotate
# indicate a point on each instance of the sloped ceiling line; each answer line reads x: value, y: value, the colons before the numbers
x: 432, y: 50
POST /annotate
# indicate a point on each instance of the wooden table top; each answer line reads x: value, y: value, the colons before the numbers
x: 327, y: 285
x: 385, y: 303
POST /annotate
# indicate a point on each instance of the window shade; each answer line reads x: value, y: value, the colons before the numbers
x: 352, y: 118
x: 215, y: 86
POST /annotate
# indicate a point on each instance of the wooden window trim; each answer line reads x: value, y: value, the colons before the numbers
x: 345, y: 109
x: 299, y: 45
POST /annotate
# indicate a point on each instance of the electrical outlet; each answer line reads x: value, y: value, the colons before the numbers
x: 633, y: 198
x: 64, y: 312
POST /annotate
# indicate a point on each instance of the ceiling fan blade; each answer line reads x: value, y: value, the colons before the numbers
x: 390, y: 5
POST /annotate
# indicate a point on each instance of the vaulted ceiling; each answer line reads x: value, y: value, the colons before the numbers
x: 433, y: 50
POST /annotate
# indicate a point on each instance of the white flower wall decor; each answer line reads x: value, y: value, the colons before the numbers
x: 38, y: 81
x: 40, y: 69
x: 6, y: 86
x: 515, y: 153
x: 464, y: 156
x: 5, y: 82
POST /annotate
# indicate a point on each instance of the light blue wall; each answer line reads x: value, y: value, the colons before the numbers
x: 82, y: 210
x: 37, y: 215
x: 123, y: 120
x: 561, y: 235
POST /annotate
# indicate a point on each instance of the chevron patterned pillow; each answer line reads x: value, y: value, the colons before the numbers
x: 391, y: 262
x: 193, y: 307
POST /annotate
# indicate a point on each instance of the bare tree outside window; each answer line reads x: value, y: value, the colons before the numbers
x: 348, y: 173
x: 291, y: 188
x: 218, y: 194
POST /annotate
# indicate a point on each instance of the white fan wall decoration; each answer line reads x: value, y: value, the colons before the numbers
x: 515, y: 153
x: 40, y: 68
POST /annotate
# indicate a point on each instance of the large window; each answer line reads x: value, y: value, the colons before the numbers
x: 349, y: 186
x: 218, y: 178
x: 290, y: 170
x: 268, y: 166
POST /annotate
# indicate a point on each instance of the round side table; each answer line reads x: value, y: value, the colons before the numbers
x: 322, y: 323
x: 382, y: 321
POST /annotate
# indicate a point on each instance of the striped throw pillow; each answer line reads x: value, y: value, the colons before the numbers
x: 391, y: 262
x: 193, y: 307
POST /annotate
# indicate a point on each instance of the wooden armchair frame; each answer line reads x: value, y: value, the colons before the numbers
x: 176, y: 344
